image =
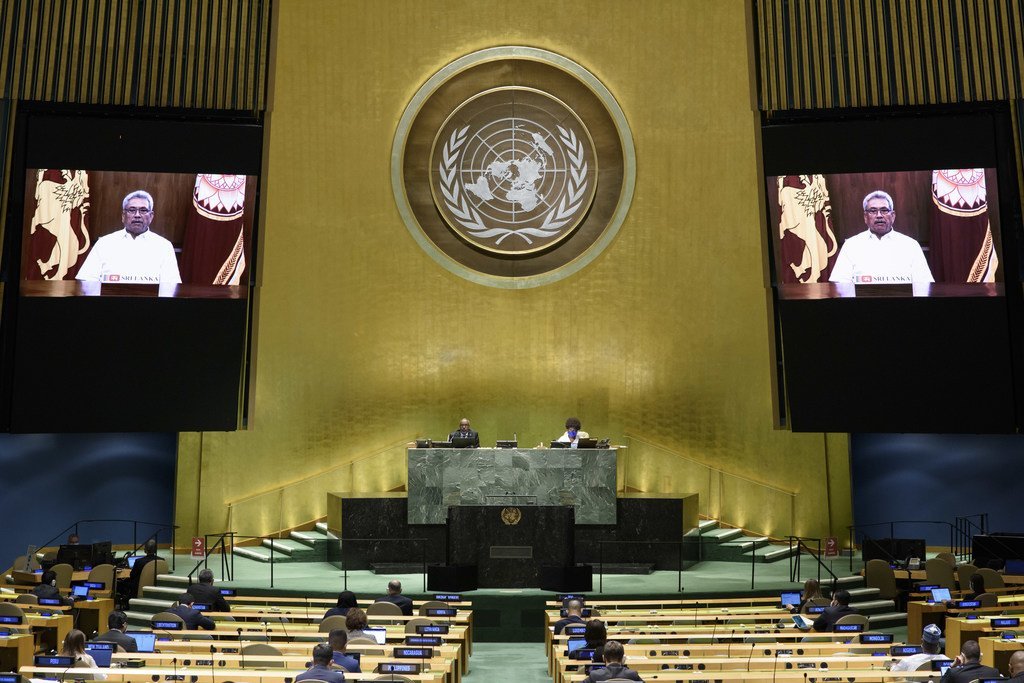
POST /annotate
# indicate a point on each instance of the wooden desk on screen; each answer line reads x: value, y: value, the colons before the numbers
x: 16, y: 652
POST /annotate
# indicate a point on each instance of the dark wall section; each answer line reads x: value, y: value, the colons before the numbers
x: 935, y: 477
x: 51, y: 480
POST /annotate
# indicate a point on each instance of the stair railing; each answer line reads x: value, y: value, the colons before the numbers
x: 679, y: 568
x: 794, y: 562
x: 966, y: 527
x: 136, y: 545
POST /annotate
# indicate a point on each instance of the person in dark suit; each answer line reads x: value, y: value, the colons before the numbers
x: 395, y: 595
x: 464, y: 432
x: 117, y: 622
x: 133, y: 578
x: 321, y: 669
x: 346, y: 601
x: 193, y: 618
x: 573, y: 615
x: 614, y: 665
x: 338, y: 640
x: 839, y: 608
x: 967, y: 666
x: 205, y: 594
x: 47, y: 588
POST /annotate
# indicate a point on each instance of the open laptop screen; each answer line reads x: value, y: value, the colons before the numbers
x: 940, y: 594
x: 145, y: 640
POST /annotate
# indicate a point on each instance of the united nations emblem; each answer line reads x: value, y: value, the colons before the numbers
x: 497, y: 163
x: 511, y: 516
x: 513, y: 170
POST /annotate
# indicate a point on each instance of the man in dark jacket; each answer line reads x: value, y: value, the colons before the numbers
x: 205, y: 593
x: 1017, y: 666
x: 573, y: 615
x: 395, y: 595
x: 193, y: 618
x: 967, y: 666
x: 117, y: 622
x: 839, y: 608
x: 614, y: 666
x: 47, y: 588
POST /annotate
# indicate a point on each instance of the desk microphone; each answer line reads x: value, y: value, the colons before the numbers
x: 241, y: 648
x: 266, y: 630
x: 775, y: 665
x: 728, y: 649
x: 713, y: 629
x: 213, y: 669
x: 74, y: 661
x: 284, y: 629
x: 174, y: 663
x: 751, y: 655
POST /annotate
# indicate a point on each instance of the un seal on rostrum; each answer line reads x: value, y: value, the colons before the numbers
x: 513, y: 170
x: 511, y: 516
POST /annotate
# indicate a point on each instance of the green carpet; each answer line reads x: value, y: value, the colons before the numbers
x: 519, y: 662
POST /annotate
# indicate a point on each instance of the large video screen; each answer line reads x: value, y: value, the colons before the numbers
x: 88, y: 232
x: 933, y: 232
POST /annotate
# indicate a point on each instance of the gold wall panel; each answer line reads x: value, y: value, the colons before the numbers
x: 363, y: 341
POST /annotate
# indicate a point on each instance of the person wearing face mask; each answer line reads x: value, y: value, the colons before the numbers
x: 573, y: 433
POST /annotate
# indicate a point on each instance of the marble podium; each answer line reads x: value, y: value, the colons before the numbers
x: 443, y: 477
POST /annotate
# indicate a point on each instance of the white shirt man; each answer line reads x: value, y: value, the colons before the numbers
x: 880, y: 255
x: 134, y: 255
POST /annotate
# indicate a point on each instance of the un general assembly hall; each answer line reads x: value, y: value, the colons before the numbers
x: 539, y: 342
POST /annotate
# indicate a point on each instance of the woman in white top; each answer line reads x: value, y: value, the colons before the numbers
x: 74, y: 646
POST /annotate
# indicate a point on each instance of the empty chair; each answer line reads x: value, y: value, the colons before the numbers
x: 148, y: 576
x: 410, y: 626
x: 361, y: 640
x: 9, y: 609
x: 103, y: 573
x: 331, y: 623
x: 988, y: 600
x: 940, y: 572
x: 64, y: 572
x: 993, y: 579
x: 644, y: 641
x: 255, y: 650
x: 384, y: 608
x: 878, y: 574
x: 949, y: 558
x: 27, y: 599
x: 167, y: 616
x: 431, y: 604
x: 222, y: 617
x: 963, y: 575
x: 853, y: 619
x: 393, y: 677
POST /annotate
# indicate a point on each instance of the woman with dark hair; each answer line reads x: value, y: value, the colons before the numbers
x: 346, y: 601
x: 596, y: 635
x: 573, y: 432
x: 74, y: 646
x: 977, y: 587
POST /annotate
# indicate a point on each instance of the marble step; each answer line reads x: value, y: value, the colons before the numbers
x: 721, y: 536
x: 887, y: 619
x: 770, y: 553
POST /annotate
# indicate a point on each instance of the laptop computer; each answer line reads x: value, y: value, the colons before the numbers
x: 378, y: 634
x: 790, y: 598
x: 940, y: 594
x: 132, y: 560
x: 586, y: 443
x: 101, y: 653
x: 80, y: 592
x: 463, y: 442
x: 574, y: 644
x: 144, y: 640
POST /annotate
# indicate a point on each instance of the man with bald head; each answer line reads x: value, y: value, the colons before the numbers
x: 968, y: 666
x: 1017, y: 666
x: 395, y: 595
x: 464, y: 432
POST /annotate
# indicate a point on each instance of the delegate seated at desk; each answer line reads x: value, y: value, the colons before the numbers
x: 573, y: 433
x: 464, y: 432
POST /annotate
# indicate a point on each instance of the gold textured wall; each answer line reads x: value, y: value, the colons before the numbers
x: 362, y: 341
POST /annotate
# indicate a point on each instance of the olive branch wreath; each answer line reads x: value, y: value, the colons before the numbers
x: 469, y: 218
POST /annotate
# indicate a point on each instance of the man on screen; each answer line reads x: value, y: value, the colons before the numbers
x: 880, y: 255
x: 134, y: 255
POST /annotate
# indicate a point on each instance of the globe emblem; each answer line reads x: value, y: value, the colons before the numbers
x: 513, y: 170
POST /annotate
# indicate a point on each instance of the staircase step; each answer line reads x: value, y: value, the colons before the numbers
x: 161, y: 592
x: 284, y: 545
x: 771, y: 553
x: 887, y: 619
x: 172, y: 580
x: 258, y: 553
x: 862, y: 593
x: 721, y: 535
x: 149, y: 605
x: 627, y: 568
x: 747, y: 543
x: 136, y: 618
x: 873, y: 606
